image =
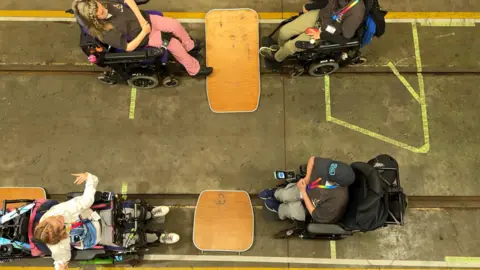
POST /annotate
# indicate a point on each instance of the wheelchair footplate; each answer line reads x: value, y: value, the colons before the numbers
x: 232, y: 51
x: 223, y: 221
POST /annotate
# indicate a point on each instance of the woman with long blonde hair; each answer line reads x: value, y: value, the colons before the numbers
x: 128, y: 28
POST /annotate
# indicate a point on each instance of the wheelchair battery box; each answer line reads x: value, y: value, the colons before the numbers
x: 284, y: 175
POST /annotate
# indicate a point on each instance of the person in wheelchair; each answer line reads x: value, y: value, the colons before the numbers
x: 130, y: 28
x: 74, y: 224
x: 332, y: 20
x: 323, y: 192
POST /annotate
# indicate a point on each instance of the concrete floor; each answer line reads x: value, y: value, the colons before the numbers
x: 56, y: 124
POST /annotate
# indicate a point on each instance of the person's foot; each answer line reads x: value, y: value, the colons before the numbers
x: 268, y: 53
x: 204, y: 72
x: 169, y: 238
x: 198, y: 46
x: 275, y: 47
x: 272, y: 205
x: 160, y: 211
x: 266, y: 194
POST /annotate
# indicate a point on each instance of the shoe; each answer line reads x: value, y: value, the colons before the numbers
x: 272, y: 205
x: 266, y: 194
x: 267, y: 53
x: 169, y: 238
x: 160, y: 211
x: 275, y: 47
x: 204, y: 72
x: 198, y: 46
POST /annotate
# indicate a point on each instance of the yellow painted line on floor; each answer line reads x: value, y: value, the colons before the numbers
x: 124, y: 190
x: 462, y: 259
x: 404, y: 82
x: 133, y: 100
x: 212, y: 268
x: 262, y: 15
x: 333, y: 249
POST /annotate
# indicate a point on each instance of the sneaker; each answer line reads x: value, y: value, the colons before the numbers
x: 169, y: 238
x: 204, y: 72
x: 198, y: 46
x: 266, y: 194
x: 267, y: 53
x: 275, y: 47
x: 272, y: 205
x: 160, y: 211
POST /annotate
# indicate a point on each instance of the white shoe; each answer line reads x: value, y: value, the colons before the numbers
x: 169, y: 238
x: 160, y: 211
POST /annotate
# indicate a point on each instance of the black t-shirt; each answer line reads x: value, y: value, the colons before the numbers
x: 126, y: 26
x: 330, y: 204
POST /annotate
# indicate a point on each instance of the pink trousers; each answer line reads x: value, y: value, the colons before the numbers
x: 179, y: 45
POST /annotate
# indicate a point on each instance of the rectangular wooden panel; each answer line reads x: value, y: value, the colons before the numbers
x: 223, y: 221
x: 232, y: 41
x: 18, y: 193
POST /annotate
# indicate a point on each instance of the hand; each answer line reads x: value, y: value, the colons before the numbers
x: 63, y: 266
x: 302, y: 186
x: 313, y: 32
x: 146, y: 28
x: 304, y: 10
x: 81, y: 178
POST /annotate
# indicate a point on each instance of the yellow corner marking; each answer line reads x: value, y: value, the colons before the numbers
x: 333, y: 249
x: 133, y: 99
x: 404, y: 81
x: 124, y: 190
x: 421, y: 86
x: 378, y: 136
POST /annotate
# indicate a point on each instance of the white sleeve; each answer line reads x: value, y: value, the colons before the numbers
x: 78, y: 204
x: 61, y: 253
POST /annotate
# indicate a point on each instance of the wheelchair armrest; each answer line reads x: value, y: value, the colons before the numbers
x: 135, y: 56
x: 305, y: 45
x: 335, y: 229
x: 85, y: 255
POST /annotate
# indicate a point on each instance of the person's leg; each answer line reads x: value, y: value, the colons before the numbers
x: 288, y: 194
x: 289, y: 47
x: 173, y: 26
x: 292, y: 210
x: 178, y: 51
x: 297, y: 26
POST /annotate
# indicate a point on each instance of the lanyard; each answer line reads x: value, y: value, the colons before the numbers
x: 315, y: 184
x: 338, y: 17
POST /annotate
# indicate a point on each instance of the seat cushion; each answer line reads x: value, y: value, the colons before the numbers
x: 317, y: 228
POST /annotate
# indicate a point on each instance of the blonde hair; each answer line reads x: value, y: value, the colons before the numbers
x: 87, y: 11
x: 49, y: 234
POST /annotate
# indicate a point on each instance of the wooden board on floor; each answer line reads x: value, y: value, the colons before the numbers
x: 232, y: 40
x: 223, y: 221
x: 19, y: 193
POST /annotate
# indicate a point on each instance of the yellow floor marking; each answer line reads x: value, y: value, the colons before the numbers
x: 124, y: 190
x: 449, y: 23
x: 333, y: 249
x: 419, y: 97
x: 462, y: 259
x: 404, y: 81
x: 133, y: 99
x: 223, y: 268
x: 262, y: 15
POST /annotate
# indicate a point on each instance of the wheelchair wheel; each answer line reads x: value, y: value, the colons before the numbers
x: 323, y: 68
x: 143, y: 82
x: 170, y: 82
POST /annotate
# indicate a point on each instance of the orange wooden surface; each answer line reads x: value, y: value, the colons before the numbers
x: 18, y: 193
x: 232, y: 50
x: 223, y: 221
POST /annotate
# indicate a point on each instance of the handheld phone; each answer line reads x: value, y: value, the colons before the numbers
x: 284, y: 175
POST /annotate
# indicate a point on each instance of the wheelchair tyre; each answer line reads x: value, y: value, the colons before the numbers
x: 170, y: 82
x: 323, y: 68
x: 143, y: 82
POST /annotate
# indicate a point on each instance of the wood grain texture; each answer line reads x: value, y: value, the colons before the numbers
x: 14, y: 193
x: 223, y: 221
x: 232, y: 50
